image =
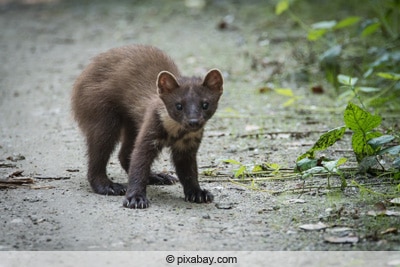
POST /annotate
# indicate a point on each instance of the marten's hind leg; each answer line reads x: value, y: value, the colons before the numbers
x: 101, y: 141
x: 128, y: 137
x: 162, y: 179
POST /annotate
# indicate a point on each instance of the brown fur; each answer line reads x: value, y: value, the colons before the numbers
x: 131, y: 94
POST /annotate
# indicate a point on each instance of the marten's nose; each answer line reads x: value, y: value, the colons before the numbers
x: 193, y: 123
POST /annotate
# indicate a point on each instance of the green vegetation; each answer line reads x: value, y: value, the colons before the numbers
x: 365, y: 47
x: 367, y: 143
x: 359, y: 56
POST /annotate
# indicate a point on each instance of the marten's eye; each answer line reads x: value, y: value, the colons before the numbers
x: 204, y: 105
x: 178, y: 106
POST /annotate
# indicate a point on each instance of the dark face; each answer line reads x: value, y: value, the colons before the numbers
x: 190, y: 101
x: 192, y: 105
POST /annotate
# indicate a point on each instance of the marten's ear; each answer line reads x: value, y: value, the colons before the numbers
x: 214, y: 80
x: 166, y: 82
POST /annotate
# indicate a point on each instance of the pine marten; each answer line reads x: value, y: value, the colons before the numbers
x: 136, y: 95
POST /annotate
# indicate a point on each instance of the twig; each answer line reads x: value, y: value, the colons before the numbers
x: 7, y: 165
x: 261, y: 132
x: 263, y: 178
x: 52, y: 177
x: 15, y: 182
x: 36, y: 187
x: 253, y: 188
x: 18, y: 180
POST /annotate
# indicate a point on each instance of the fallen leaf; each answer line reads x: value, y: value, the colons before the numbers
x: 224, y: 206
x: 395, y: 201
x: 318, y: 89
x: 341, y: 240
x: 384, y: 212
x: 391, y: 230
x: 372, y: 213
x: 264, y: 90
x: 339, y: 229
x: 313, y: 227
x: 392, y: 213
x: 296, y: 201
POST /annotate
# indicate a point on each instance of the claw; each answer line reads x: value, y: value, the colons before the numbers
x: 201, y: 196
x: 139, y: 202
x: 111, y: 191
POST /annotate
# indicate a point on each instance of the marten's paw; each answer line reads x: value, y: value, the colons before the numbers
x: 199, y: 196
x: 136, y: 201
x: 162, y: 179
x: 111, y: 189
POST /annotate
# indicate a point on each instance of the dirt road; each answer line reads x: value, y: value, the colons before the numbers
x: 44, y: 47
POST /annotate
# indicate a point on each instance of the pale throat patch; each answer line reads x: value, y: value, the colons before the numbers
x: 171, y: 126
x: 174, y: 129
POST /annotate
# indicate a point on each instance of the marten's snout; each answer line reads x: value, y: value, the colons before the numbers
x: 194, y: 123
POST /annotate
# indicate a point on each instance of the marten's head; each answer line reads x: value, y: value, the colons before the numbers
x: 190, y: 101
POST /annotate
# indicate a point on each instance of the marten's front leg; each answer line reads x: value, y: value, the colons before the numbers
x: 139, y: 173
x: 186, y: 168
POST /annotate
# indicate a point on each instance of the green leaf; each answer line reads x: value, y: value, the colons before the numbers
x: 389, y: 75
x: 347, y: 95
x: 347, y: 80
x: 257, y: 168
x: 396, y: 163
x: 347, y: 22
x: 358, y: 119
x: 368, y: 89
x: 393, y: 150
x: 274, y: 166
x: 329, y: 138
x: 368, y: 72
x: 367, y: 163
x: 315, y: 34
x: 381, y: 140
x: 281, y: 7
x: 331, y: 55
x: 360, y: 144
x: 324, y: 24
x: 284, y: 91
x: 362, y: 123
x: 325, y: 140
x: 312, y: 171
x: 232, y: 161
x: 306, y: 164
x: 370, y: 29
x: 240, y: 171
x: 332, y: 165
x: 341, y: 161
x: 289, y: 102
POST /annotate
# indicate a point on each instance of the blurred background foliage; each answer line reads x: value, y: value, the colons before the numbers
x: 358, y: 39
